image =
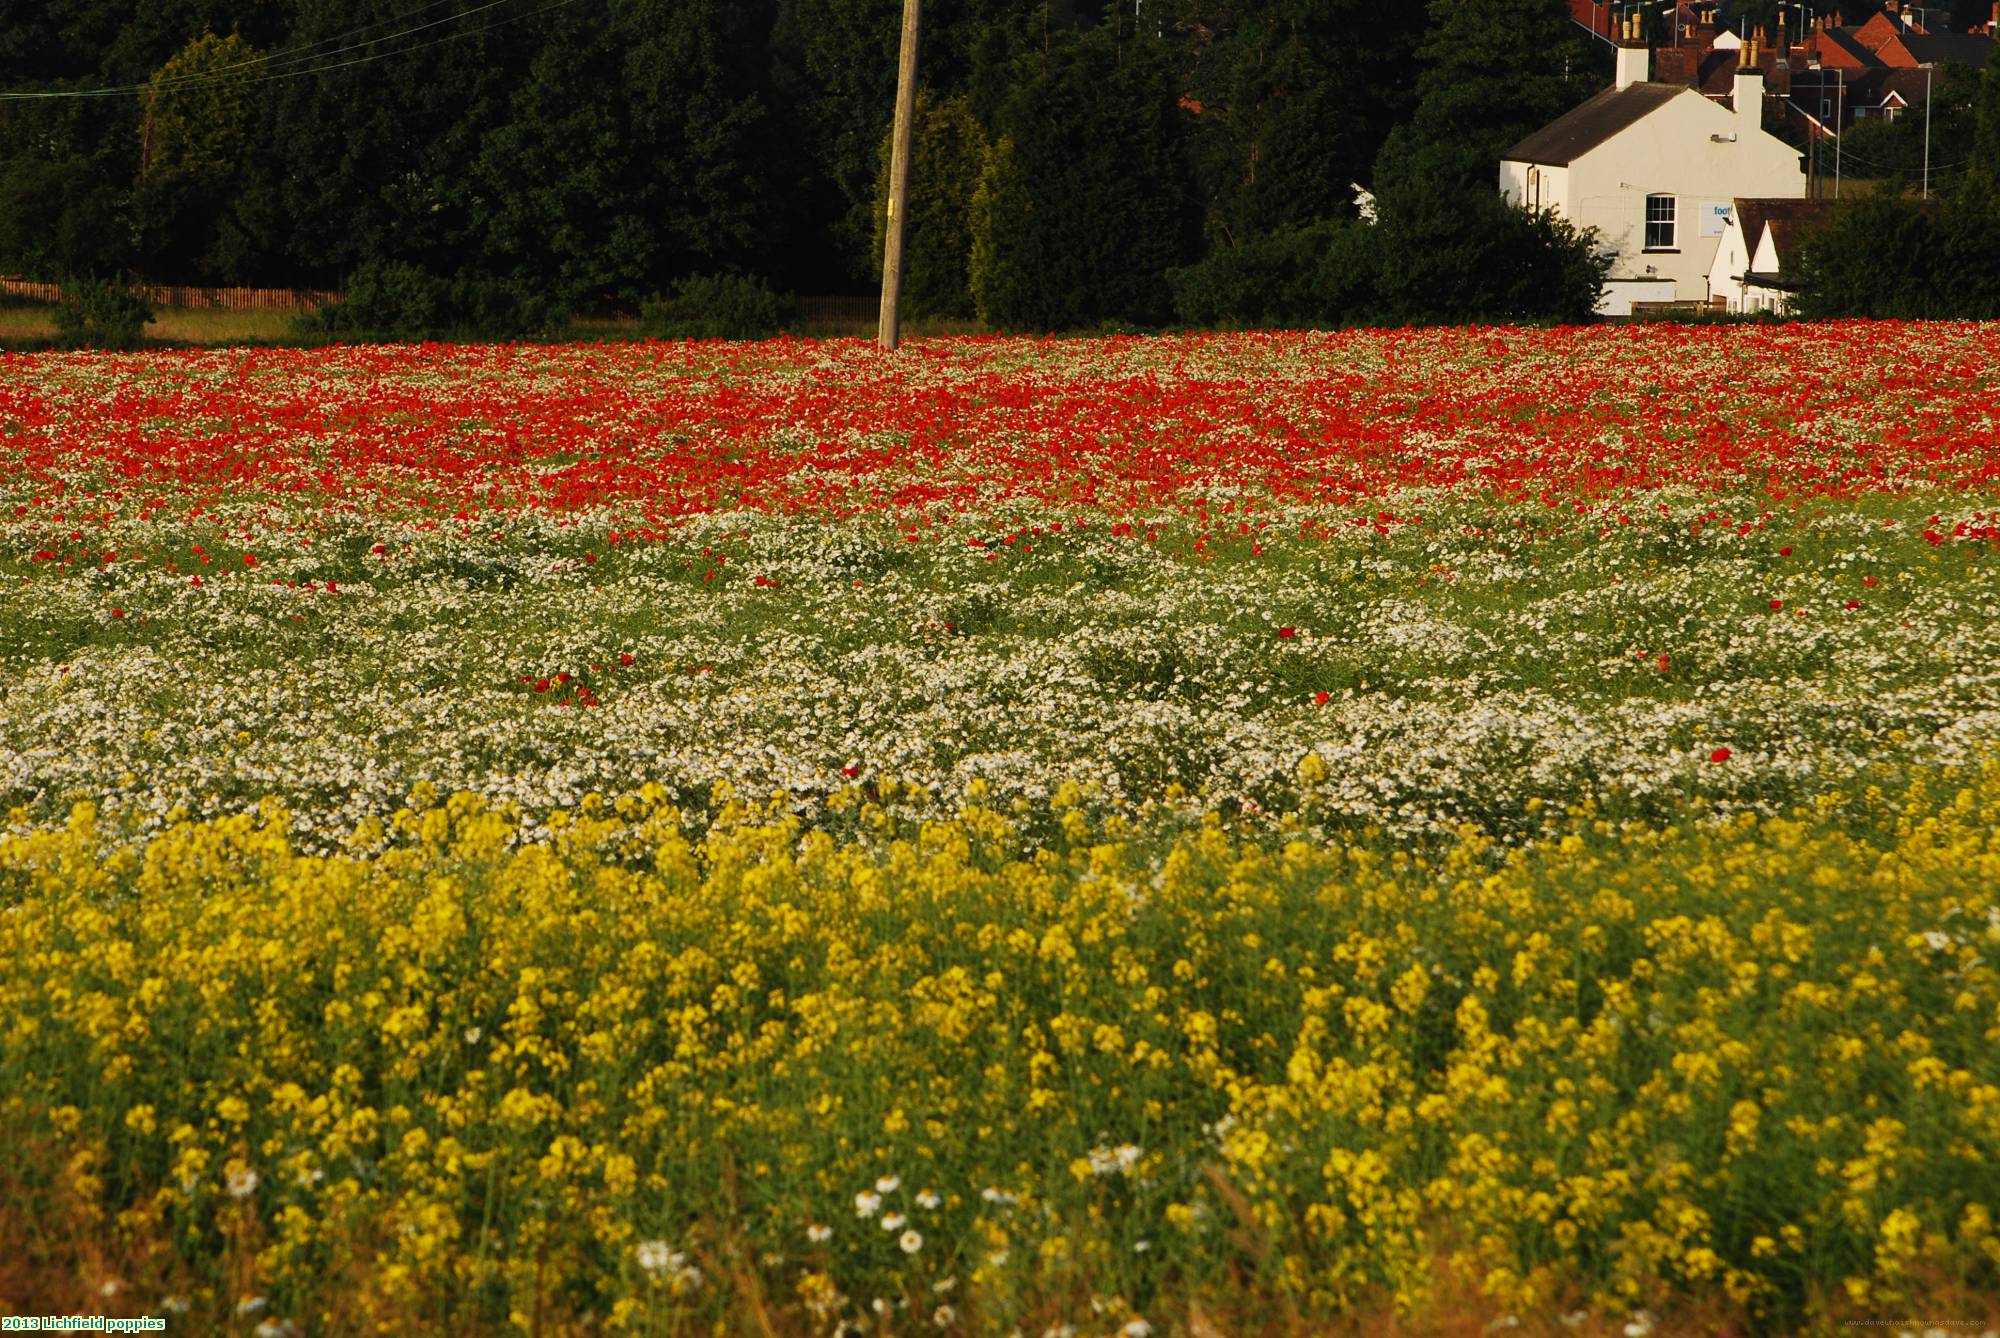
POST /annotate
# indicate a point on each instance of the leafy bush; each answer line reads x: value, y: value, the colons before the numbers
x: 1295, y: 278
x: 101, y: 313
x: 1453, y: 258
x: 717, y: 306
x: 1435, y: 259
x: 392, y: 300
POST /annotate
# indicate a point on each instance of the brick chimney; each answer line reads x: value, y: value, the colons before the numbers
x: 1675, y: 65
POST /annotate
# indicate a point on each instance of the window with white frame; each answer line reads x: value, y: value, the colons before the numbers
x: 1659, y: 222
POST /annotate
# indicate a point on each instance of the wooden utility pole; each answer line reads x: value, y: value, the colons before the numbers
x: 891, y: 328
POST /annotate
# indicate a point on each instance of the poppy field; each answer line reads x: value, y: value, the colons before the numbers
x: 1435, y: 831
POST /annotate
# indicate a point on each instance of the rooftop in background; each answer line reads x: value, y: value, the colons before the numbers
x: 1787, y: 218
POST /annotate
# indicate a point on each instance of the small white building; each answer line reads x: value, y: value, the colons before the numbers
x: 1653, y: 167
x: 1754, y: 265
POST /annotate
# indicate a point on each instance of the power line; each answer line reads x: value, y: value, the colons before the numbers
x: 294, y: 51
x: 220, y: 75
x: 293, y: 55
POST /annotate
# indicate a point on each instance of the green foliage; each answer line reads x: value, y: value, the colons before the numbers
x: 194, y: 141
x: 1461, y: 259
x: 1077, y: 222
x: 1471, y: 257
x: 717, y: 306
x: 1287, y: 104
x: 1891, y: 257
x: 707, y: 154
x: 101, y: 313
x: 1493, y: 71
x: 1319, y: 275
x: 999, y: 272
x: 1878, y: 147
x: 197, y: 111
x: 60, y: 216
x: 397, y: 301
x: 947, y: 160
x: 835, y: 69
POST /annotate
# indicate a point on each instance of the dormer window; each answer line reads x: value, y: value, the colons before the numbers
x: 1660, y: 223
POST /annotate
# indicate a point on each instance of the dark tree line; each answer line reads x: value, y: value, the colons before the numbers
x: 1897, y: 255
x: 1079, y: 163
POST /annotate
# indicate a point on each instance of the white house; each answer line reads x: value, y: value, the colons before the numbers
x: 1653, y: 167
x: 1752, y: 269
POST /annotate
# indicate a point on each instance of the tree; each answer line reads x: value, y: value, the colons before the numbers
x: 1493, y: 71
x: 1090, y: 204
x: 835, y: 74
x: 559, y: 201
x: 702, y: 135
x: 948, y: 156
x: 1875, y: 258
x: 1290, y: 101
x: 194, y: 132
x: 375, y: 159
x: 1879, y: 146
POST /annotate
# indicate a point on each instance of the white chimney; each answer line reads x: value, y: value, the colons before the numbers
x: 1749, y: 102
x: 1635, y: 65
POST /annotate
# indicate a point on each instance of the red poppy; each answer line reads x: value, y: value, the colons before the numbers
x: 1777, y: 603
x: 1719, y: 755
x: 1288, y: 632
x: 541, y: 685
x: 1320, y: 698
x: 249, y: 559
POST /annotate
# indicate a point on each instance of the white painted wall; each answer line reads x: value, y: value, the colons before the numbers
x: 1696, y: 150
x: 1732, y: 259
x: 1533, y: 186
x: 1765, y: 261
x: 1619, y: 294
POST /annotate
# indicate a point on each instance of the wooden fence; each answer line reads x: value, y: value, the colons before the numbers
x: 196, y: 299
x: 1693, y: 306
x: 839, y: 313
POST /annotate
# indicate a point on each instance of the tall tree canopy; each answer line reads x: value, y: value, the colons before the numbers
x: 597, y: 151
